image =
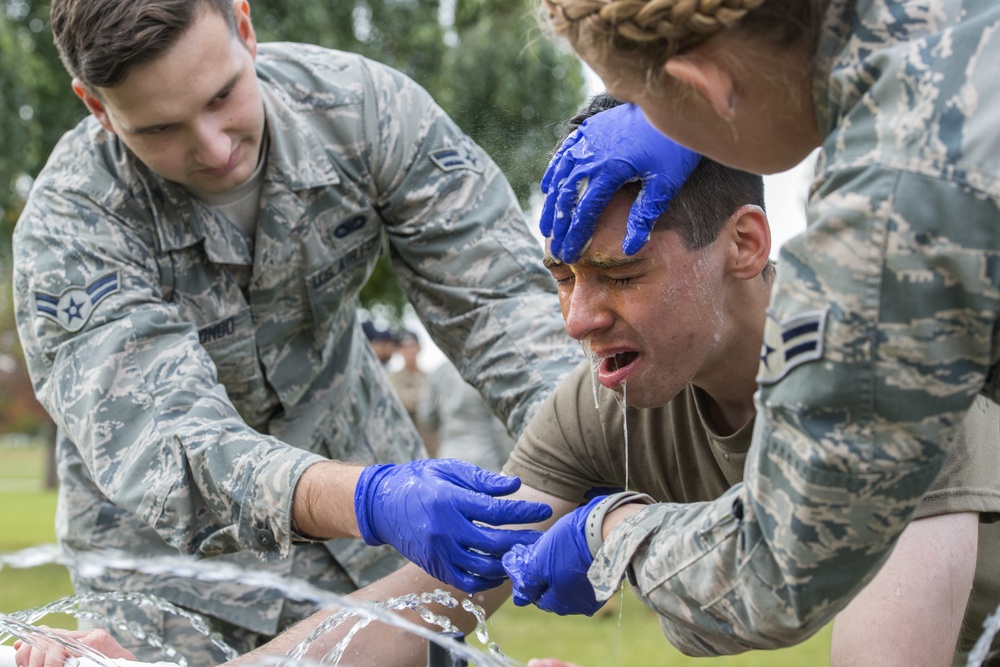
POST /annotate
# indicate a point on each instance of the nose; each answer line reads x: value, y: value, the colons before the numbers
x: 587, y: 310
x: 212, y: 145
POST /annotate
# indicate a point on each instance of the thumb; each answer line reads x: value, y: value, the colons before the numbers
x: 483, y: 481
x: 517, y: 564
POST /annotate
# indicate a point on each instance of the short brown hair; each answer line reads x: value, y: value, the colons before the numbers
x: 100, y: 41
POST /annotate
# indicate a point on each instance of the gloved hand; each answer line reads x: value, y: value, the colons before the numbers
x: 431, y: 510
x: 552, y: 572
x: 608, y: 150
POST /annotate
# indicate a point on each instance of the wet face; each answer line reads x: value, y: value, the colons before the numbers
x: 651, y: 322
x: 194, y: 115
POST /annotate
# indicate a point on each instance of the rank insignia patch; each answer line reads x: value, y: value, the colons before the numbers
x: 463, y: 156
x: 790, y: 343
x: 73, y: 307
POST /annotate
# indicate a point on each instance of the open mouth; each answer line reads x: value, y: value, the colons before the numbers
x: 615, y: 369
x: 621, y: 360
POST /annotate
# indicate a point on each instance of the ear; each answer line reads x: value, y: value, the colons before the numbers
x: 750, y: 237
x: 707, y: 78
x: 93, y: 104
x: 244, y: 27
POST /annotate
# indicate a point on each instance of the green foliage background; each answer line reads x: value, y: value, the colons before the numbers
x: 485, y: 61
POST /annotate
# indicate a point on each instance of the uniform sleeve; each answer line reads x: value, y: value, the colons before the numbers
x: 878, y: 338
x: 127, y: 381
x: 968, y: 481
x: 464, y: 253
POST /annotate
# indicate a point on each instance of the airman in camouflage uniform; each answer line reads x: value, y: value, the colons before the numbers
x: 196, y: 371
x: 882, y: 327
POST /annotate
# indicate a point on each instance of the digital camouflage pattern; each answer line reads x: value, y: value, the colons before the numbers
x: 194, y: 375
x: 896, y: 285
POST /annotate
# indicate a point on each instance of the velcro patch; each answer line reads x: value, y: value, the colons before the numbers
x: 464, y: 156
x: 790, y: 343
x: 73, y: 307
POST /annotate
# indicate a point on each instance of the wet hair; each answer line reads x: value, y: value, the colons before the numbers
x: 644, y: 34
x: 703, y: 205
x: 100, y: 41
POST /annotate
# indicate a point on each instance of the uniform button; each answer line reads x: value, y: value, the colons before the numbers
x: 265, y: 538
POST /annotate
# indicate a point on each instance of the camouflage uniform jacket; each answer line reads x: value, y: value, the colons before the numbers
x: 194, y: 375
x: 881, y: 331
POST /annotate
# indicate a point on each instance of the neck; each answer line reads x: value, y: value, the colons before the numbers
x: 731, y: 383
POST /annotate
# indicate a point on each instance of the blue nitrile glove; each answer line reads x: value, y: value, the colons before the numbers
x: 431, y: 510
x: 608, y: 150
x: 552, y: 572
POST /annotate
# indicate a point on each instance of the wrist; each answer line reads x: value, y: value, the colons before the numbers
x: 365, y: 492
x: 322, y: 497
x: 594, y: 525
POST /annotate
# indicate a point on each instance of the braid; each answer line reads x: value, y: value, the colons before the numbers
x: 679, y: 23
x: 644, y: 34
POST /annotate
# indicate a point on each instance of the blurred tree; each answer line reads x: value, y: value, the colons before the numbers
x: 36, y: 104
x: 484, y: 61
x: 19, y: 411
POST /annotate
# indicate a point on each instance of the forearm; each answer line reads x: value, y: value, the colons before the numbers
x: 382, y: 644
x: 911, y: 613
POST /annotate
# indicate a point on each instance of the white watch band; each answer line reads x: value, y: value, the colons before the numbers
x: 595, y: 520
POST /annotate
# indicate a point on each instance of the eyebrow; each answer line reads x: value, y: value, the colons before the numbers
x: 609, y: 262
x: 602, y: 263
x: 228, y: 85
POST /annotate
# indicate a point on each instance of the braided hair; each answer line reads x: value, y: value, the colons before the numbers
x: 647, y: 33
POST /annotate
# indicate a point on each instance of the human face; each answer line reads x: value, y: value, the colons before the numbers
x: 651, y: 322
x: 759, y: 119
x: 194, y: 115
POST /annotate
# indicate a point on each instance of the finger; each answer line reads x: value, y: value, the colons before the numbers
x: 482, y: 481
x: 588, y: 209
x: 482, y: 565
x: 496, y: 541
x: 546, y: 218
x: 566, y: 200
x: 501, y: 512
x: 471, y: 583
x: 562, y: 181
x: 526, y: 586
x: 552, y: 172
x: 637, y: 233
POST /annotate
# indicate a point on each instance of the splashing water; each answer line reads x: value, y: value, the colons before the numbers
x: 482, y: 634
x: 40, y: 639
x: 94, y: 564
x: 73, y: 606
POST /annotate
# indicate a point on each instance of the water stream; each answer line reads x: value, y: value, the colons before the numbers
x: 21, y: 624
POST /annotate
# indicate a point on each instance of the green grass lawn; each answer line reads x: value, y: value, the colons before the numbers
x: 26, y: 519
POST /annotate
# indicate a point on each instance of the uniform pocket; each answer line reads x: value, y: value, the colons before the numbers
x: 338, y: 282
